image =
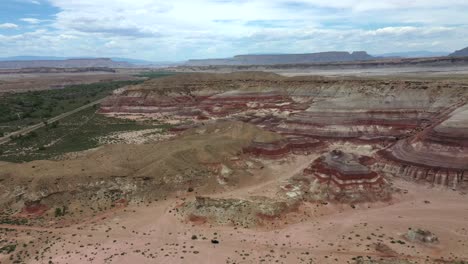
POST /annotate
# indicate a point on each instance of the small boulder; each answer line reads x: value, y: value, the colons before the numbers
x: 421, y: 235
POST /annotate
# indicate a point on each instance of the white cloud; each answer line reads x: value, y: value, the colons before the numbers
x: 182, y: 29
x: 195, y: 17
x: 8, y: 26
x: 31, y: 20
x: 35, y: 2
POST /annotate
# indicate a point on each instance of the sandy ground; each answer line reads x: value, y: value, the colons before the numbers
x: 317, y: 233
x: 33, y: 82
x: 416, y: 72
x: 387, y: 71
x: 135, y: 137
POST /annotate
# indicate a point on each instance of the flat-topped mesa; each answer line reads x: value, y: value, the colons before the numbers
x: 342, y: 168
x: 346, y: 177
x: 280, y: 148
x: 437, y: 155
x: 275, y: 59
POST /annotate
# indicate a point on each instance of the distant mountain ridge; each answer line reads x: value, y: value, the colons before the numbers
x: 42, y: 58
x: 69, y: 63
x: 24, y: 62
x: 460, y: 53
x: 272, y: 59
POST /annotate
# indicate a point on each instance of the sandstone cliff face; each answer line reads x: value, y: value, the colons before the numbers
x: 437, y: 155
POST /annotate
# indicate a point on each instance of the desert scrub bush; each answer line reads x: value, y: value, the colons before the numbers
x: 20, y: 109
x: 13, y: 221
x: 155, y: 74
x: 7, y: 249
x: 59, y: 212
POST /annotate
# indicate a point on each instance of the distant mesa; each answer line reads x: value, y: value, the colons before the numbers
x: 460, y: 53
x: 272, y: 59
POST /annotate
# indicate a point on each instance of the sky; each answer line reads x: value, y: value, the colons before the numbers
x: 176, y: 30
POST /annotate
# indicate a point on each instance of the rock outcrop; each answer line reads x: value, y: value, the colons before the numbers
x: 279, y: 149
x: 345, y: 177
x: 422, y: 236
x: 249, y: 212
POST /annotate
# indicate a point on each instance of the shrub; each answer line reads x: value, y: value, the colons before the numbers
x: 8, y: 249
x: 60, y: 211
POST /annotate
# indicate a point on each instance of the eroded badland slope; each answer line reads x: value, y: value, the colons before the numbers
x: 258, y: 168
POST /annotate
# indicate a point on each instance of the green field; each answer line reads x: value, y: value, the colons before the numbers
x: 24, y: 109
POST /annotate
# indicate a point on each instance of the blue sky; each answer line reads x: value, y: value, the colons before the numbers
x: 161, y: 30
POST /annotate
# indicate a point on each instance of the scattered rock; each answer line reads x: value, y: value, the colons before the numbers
x: 421, y: 235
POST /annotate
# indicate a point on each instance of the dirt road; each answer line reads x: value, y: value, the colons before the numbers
x: 29, y: 129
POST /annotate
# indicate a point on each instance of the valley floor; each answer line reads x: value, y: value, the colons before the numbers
x: 316, y: 233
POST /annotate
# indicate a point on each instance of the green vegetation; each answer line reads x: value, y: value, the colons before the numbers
x: 80, y: 131
x: 7, y: 249
x: 60, y: 211
x: 155, y: 74
x: 29, y: 108
x: 13, y: 221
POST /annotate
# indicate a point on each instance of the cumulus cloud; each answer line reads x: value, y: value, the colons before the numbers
x: 182, y: 29
x: 31, y: 20
x: 8, y: 26
x: 372, y: 5
x: 35, y: 2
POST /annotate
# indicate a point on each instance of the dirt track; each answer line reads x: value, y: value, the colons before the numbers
x: 30, y: 129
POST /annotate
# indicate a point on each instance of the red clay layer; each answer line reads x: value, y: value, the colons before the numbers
x: 281, y: 148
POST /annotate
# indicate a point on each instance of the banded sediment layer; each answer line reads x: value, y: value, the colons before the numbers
x: 422, y: 123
